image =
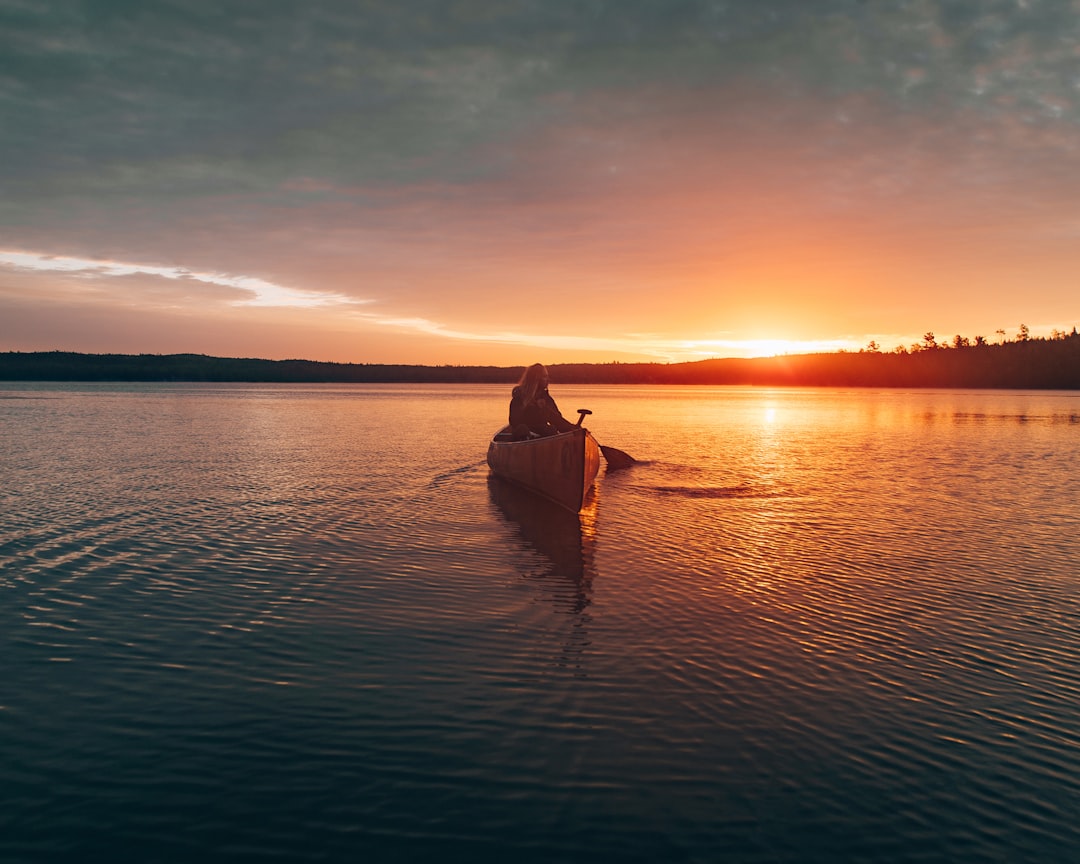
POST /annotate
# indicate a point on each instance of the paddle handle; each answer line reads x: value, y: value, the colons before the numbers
x: 581, y: 415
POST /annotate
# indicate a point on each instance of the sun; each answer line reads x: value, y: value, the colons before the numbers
x: 770, y: 347
x: 699, y: 349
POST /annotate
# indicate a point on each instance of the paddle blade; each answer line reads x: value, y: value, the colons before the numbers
x: 616, y: 458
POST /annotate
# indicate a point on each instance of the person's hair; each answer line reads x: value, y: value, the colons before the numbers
x: 531, y: 383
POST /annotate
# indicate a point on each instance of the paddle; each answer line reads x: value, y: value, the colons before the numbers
x: 616, y: 459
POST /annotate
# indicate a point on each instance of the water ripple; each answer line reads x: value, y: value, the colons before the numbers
x: 743, y: 490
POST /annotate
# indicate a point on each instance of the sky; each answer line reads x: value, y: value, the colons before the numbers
x: 502, y: 182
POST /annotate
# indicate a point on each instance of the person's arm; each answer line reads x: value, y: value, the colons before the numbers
x: 555, y: 417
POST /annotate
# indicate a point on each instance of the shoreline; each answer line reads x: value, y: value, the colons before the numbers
x: 1032, y: 364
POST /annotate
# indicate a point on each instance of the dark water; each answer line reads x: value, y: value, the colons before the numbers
x: 244, y: 623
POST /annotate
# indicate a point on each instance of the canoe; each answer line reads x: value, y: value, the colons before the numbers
x: 560, y: 467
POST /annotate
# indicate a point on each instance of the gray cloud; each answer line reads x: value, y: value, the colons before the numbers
x: 171, y: 99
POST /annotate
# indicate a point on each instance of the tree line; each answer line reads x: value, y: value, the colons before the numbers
x: 1024, y: 362
x: 71, y: 366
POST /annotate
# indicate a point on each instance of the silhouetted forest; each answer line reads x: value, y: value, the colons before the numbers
x: 1023, y: 363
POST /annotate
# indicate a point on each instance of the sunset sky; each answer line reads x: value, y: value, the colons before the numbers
x: 413, y: 181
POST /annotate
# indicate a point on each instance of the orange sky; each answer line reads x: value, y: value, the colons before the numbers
x: 508, y: 184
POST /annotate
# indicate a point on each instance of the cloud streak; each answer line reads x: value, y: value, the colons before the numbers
x: 257, y: 292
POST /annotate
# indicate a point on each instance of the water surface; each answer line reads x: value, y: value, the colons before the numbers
x: 245, y: 622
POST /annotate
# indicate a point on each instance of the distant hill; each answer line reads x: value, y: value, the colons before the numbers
x: 1052, y: 363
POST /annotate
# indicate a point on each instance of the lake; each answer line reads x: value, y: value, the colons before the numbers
x: 301, y: 623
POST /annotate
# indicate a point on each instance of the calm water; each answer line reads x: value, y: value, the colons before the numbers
x: 301, y: 623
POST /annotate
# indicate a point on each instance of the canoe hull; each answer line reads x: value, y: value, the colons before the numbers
x: 560, y: 467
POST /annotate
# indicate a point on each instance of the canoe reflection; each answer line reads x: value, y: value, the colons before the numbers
x: 566, y: 540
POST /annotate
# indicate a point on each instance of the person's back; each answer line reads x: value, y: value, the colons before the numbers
x: 532, y: 410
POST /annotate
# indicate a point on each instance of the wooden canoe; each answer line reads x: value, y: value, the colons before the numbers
x: 560, y: 467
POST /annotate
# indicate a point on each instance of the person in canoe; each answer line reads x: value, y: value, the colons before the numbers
x: 532, y: 410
